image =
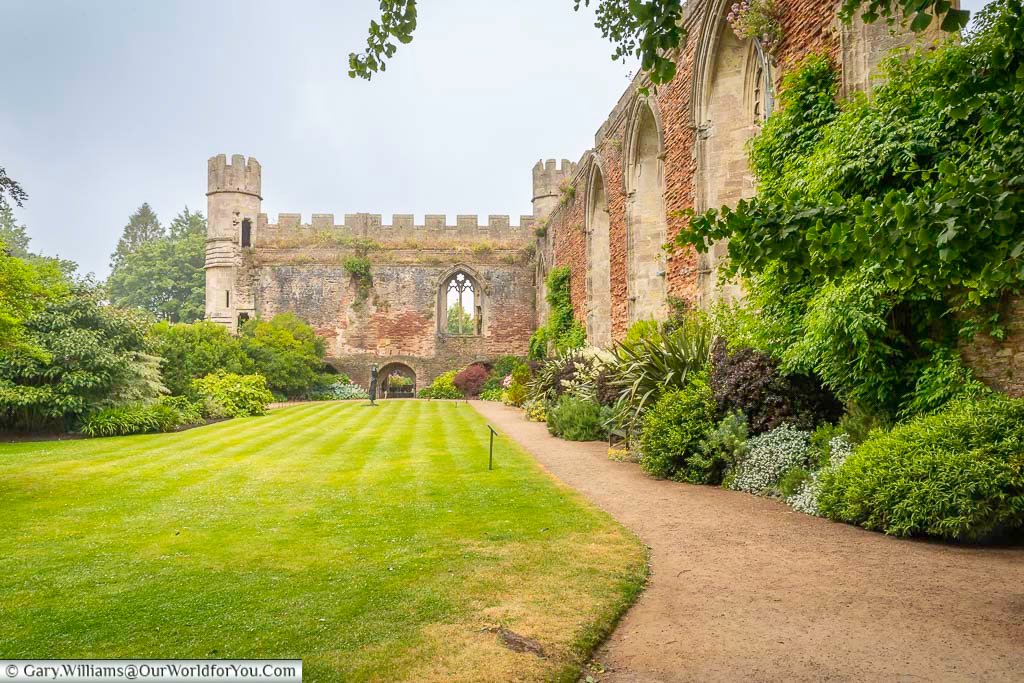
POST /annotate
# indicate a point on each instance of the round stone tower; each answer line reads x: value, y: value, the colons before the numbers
x: 233, y: 205
x: 547, y: 185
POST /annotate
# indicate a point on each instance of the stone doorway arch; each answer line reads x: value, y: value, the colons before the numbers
x: 395, y: 388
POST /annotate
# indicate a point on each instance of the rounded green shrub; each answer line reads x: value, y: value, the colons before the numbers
x: 443, y: 386
x: 957, y: 474
x: 226, y: 394
x: 189, y: 412
x: 492, y: 394
x: 674, y: 430
x: 576, y: 419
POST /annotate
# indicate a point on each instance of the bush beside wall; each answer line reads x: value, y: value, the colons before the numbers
x: 957, y: 475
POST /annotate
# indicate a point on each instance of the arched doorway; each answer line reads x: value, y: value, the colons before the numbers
x: 396, y: 380
x: 599, y: 297
x: 646, y: 219
x: 733, y: 96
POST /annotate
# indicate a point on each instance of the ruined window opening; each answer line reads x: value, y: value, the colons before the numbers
x: 762, y: 95
x: 243, y: 318
x: 646, y: 226
x: 598, y: 263
x: 462, y: 312
x: 246, y: 233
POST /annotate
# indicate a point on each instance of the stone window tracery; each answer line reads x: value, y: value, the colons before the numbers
x: 461, y: 306
x: 762, y: 95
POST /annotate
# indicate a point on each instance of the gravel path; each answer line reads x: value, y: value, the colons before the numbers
x: 742, y: 588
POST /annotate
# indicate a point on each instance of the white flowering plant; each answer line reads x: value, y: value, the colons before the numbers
x: 769, y: 456
x: 806, y: 499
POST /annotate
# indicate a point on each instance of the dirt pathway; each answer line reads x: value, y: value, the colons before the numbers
x: 742, y: 588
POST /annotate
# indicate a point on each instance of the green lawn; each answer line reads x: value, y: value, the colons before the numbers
x: 370, y: 542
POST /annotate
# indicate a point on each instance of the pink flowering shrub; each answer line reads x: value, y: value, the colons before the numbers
x: 756, y: 20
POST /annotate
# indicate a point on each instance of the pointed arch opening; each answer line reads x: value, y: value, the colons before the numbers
x: 647, y: 225
x: 599, y: 298
x: 734, y: 95
x: 460, y: 304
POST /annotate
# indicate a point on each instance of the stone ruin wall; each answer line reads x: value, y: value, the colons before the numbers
x: 699, y: 124
x: 291, y: 266
x: 396, y: 319
x: 699, y: 173
x: 683, y: 129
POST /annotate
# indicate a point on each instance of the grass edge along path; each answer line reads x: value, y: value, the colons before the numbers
x: 371, y: 542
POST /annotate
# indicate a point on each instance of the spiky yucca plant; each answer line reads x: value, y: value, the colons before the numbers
x: 647, y: 367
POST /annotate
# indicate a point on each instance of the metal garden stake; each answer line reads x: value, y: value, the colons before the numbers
x: 490, y: 458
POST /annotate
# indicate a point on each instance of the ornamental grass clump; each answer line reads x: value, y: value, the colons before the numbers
x: 121, y: 420
x: 771, y: 455
x: 957, y: 474
x: 165, y: 415
x: 650, y: 366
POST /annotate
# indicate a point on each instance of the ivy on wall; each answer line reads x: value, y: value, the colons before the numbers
x: 886, y: 228
x: 360, y: 270
x: 562, y: 331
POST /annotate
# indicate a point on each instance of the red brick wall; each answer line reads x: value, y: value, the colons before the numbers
x: 808, y: 26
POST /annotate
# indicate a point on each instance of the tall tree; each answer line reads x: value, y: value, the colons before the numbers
x: 187, y: 223
x: 16, y: 241
x: 647, y: 29
x: 10, y: 190
x: 14, y: 236
x: 165, y: 275
x: 143, y: 226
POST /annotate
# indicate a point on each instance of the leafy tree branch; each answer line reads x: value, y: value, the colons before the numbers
x: 649, y: 30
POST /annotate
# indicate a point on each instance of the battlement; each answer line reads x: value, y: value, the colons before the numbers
x: 548, y: 177
x: 238, y: 176
x: 403, y: 228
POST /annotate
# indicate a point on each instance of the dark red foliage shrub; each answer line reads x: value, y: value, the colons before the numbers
x: 607, y: 391
x: 471, y: 379
x: 750, y: 381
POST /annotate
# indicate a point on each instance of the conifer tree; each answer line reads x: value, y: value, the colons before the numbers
x: 143, y: 226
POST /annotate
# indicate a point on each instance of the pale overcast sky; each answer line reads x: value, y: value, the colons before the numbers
x: 110, y: 104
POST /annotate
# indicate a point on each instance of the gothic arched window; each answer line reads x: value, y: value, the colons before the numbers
x: 762, y: 85
x: 461, y: 305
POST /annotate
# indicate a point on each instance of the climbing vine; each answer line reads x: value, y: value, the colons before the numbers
x: 359, y: 269
x: 881, y: 221
x: 561, y: 331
